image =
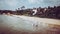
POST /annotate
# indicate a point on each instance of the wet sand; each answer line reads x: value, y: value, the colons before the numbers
x: 24, y: 25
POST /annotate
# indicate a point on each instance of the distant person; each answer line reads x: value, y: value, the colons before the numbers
x: 35, y: 26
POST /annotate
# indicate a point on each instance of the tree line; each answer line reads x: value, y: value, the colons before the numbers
x: 50, y: 12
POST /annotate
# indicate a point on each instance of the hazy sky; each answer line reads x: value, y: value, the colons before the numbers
x: 14, y: 4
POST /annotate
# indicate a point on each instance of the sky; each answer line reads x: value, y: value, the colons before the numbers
x: 14, y: 4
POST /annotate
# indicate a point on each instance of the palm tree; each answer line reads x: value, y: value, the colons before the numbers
x: 22, y: 7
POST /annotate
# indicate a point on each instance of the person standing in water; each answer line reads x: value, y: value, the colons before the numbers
x: 35, y: 26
